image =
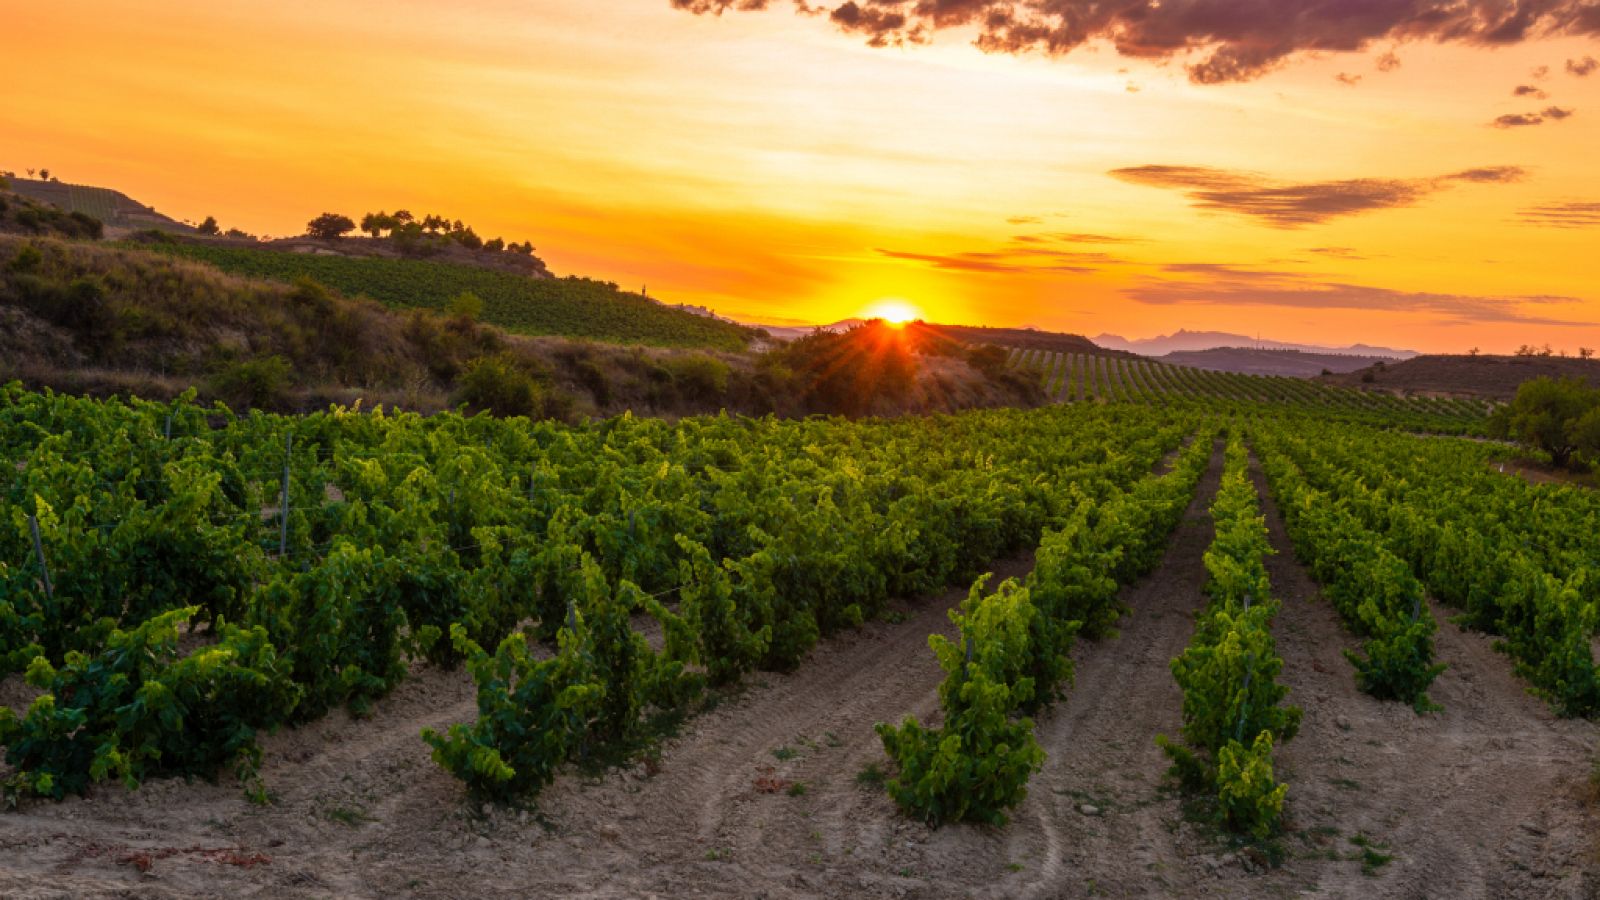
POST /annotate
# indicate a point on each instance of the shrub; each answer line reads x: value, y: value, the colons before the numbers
x: 699, y: 377
x: 531, y: 715
x: 498, y: 384
x: 27, y: 259
x: 137, y: 709
x: 977, y: 765
x: 261, y: 383
x: 466, y: 306
x: 1251, y: 800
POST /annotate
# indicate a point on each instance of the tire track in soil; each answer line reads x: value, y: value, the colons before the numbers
x: 1101, y: 747
x: 823, y: 713
x: 1483, y: 799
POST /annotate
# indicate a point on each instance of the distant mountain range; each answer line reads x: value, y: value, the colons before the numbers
x: 1189, y: 341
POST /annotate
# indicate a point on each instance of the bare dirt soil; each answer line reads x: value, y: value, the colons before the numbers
x: 764, y: 797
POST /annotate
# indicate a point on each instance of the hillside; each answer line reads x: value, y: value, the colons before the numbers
x: 104, y: 319
x: 1021, y: 339
x: 568, y: 307
x: 1487, y: 377
x: 120, y: 213
x: 1253, y: 361
x: 1183, y: 341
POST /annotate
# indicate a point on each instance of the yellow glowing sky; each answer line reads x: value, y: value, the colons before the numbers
x: 770, y: 168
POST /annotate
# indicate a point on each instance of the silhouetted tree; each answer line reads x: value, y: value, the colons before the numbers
x: 209, y: 226
x: 330, y: 226
x: 377, y: 223
x: 494, y: 246
x: 44, y: 174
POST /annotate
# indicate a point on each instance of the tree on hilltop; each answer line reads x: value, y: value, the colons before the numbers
x: 377, y: 223
x: 209, y: 226
x: 330, y: 226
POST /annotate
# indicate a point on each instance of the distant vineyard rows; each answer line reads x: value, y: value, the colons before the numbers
x: 570, y: 307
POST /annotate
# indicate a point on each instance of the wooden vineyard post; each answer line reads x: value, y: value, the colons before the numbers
x: 283, y: 500
x: 38, y: 552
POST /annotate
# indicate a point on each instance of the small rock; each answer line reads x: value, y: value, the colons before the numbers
x: 1255, y: 860
x: 1088, y: 810
x: 1533, y: 829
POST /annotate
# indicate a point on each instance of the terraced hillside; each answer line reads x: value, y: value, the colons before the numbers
x: 116, y: 209
x: 568, y: 307
x: 1076, y: 377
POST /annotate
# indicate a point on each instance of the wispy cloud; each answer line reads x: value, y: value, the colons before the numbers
x: 1576, y: 214
x: 1338, y: 252
x: 1228, y: 40
x: 1026, y: 254
x: 1228, y: 285
x: 1583, y: 68
x: 1290, y: 205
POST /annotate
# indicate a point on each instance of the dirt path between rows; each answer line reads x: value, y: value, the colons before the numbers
x: 1485, y: 799
x: 761, y: 797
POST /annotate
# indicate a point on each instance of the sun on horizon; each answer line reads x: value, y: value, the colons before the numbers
x: 893, y: 310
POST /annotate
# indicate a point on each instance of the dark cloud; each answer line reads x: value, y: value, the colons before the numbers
x: 1025, y: 220
x: 1228, y: 40
x: 1518, y: 120
x: 1523, y: 120
x: 1338, y: 252
x: 1295, y: 205
x: 1388, y: 62
x: 1528, y: 90
x: 1540, y: 73
x: 1226, y: 285
x: 1583, y: 68
x: 1347, y: 79
x: 1562, y: 215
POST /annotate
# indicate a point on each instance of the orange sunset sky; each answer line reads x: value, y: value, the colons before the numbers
x: 1436, y: 187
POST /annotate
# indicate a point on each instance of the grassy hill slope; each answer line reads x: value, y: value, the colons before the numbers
x: 1488, y: 377
x: 1253, y: 361
x: 1022, y: 339
x: 569, y: 307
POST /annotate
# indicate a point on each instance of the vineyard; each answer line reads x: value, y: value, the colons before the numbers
x: 570, y: 307
x: 1215, y: 627
x: 1080, y: 377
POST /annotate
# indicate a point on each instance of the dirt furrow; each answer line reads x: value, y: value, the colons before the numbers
x: 1461, y: 799
x: 1099, y: 818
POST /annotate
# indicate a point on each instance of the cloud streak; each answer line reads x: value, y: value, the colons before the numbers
x: 1226, y: 40
x: 1027, y: 254
x: 1225, y: 285
x: 1562, y: 215
x: 1289, y: 205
